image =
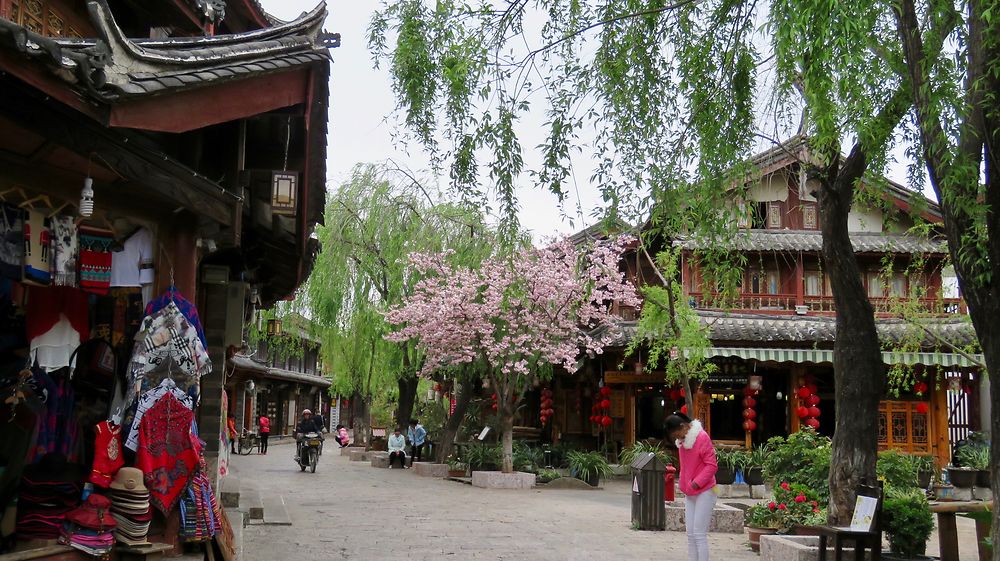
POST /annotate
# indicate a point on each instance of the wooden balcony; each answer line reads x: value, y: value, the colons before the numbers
x: 786, y: 303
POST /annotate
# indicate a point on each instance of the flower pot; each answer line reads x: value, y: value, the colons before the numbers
x: 725, y: 476
x: 754, y: 476
x: 456, y: 473
x: 594, y: 480
x: 924, y: 479
x: 754, y: 533
x: 983, y: 479
x: 961, y: 477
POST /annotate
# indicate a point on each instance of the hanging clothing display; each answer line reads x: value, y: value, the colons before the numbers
x: 37, y: 248
x: 108, y: 457
x: 133, y: 265
x: 57, y: 321
x: 11, y: 242
x: 147, y: 401
x: 128, y: 315
x: 188, y: 310
x: 57, y: 429
x: 200, y: 513
x: 166, y: 454
x: 49, y: 491
x: 66, y: 246
x: 95, y: 259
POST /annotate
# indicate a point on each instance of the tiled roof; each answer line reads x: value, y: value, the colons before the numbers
x: 812, y: 240
x: 816, y: 330
x: 112, y: 67
x: 248, y: 364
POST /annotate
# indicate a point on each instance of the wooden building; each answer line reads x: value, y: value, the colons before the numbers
x: 200, y: 122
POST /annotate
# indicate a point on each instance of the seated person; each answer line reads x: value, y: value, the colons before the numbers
x: 397, y: 445
x: 341, y: 436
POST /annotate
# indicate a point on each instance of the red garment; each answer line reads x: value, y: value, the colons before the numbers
x: 46, y: 303
x: 265, y: 425
x: 107, y: 454
x: 95, y: 271
x: 166, y: 455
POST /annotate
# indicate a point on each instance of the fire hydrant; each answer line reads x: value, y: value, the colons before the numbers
x: 668, y: 484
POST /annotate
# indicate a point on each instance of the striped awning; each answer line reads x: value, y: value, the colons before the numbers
x: 819, y: 356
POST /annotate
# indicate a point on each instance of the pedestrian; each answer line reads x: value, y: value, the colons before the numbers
x: 697, y: 480
x: 416, y: 434
x: 265, y: 431
x: 231, y: 429
x: 397, y: 449
x: 342, y: 437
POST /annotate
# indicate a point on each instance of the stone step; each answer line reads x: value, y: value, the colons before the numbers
x: 238, y: 521
x: 360, y: 455
x: 230, y: 491
x: 380, y: 459
x: 275, y: 513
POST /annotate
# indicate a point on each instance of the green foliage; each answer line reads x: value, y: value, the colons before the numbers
x: 975, y: 457
x: 481, y: 457
x: 907, y: 520
x: 546, y: 475
x: 733, y: 458
x: 641, y: 448
x: 796, y: 505
x: 584, y: 465
x: 758, y: 455
x: 526, y: 457
x: 760, y: 516
x: 896, y: 469
x: 801, y: 459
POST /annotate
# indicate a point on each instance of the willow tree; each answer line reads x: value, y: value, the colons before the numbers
x: 665, y: 94
x: 373, y: 221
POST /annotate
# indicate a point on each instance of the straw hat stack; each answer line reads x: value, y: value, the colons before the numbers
x: 130, y: 506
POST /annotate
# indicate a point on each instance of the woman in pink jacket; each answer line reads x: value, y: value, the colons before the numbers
x: 697, y: 480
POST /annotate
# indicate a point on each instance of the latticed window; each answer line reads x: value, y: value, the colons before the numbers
x: 38, y: 16
x: 901, y: 426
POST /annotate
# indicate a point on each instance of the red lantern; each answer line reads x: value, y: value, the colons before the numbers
x: 749, y: 414
x: 684, y: 409
x: 812, y: 400
x: 605, y: 391
x: 550, y: 412
x: 923, y: 408
x: 682, y: 392
x: 920, y: 387
x: 812, y: 388
x: 493, y: 397
x: 804, y: 392
x: 812, y: 423
x: 749, y: 402
x: 606, y: 421
x: 749, y: 425
x: 814, y: 411
x: 494, y: 406
x: 606, y: 404
x: 802, y: 412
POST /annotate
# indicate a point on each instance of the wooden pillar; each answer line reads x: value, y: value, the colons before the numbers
x: 630, y: 418
x: 796, y: 374
x: 938, y: 425
x: 177, y: 256
x: 800, y: 281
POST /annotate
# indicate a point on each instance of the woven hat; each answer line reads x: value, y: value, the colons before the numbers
x: 128, y: 479
x: 94, y: 514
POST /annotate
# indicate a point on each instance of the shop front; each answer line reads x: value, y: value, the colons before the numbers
x: 129, y: 256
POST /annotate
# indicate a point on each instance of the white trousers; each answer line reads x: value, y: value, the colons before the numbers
x: 698, y: 515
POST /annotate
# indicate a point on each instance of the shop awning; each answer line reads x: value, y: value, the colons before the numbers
x: 822, y: 355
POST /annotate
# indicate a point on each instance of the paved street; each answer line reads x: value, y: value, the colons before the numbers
x: 349, y: 510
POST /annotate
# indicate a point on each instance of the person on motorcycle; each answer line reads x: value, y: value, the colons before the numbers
x: 307, y: 424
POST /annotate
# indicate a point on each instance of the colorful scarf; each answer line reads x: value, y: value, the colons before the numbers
x: 11, y: 242
x: 166, y: 455
x: 66, y: 245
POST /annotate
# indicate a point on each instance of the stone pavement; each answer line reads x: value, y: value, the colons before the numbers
x: 349, y: 510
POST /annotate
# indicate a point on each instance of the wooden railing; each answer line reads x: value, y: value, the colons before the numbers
x: 746, y: 301
x: 788, y: 302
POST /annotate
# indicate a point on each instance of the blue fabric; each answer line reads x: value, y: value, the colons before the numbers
x: 416, y: 436
x: 188, y: 310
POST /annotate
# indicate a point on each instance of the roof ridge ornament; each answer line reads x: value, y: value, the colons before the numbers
x: 211, y: 10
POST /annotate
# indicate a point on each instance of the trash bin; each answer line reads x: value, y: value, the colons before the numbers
x: 648, y: 509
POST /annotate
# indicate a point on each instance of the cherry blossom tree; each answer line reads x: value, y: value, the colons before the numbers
x: 515, y: 316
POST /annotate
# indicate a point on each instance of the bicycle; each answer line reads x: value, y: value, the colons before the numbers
x: 246, y: 444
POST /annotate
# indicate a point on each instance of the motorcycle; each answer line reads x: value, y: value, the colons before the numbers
x: 309, y: 451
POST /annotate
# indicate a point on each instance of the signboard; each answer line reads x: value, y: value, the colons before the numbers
x: 482, y: 435
x: 864, y: 513
x: 451, y: 406
x: 618, y: 403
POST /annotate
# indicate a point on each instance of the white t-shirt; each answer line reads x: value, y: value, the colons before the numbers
x: 54, y: 348
x: 133, y: 265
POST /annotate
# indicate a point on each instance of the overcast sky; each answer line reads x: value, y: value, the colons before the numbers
x: 362, y: 123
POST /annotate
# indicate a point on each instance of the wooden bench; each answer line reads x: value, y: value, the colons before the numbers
x: 864, y: 533
x: 948, y: 529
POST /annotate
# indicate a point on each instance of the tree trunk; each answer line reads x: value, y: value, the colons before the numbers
x: 359, y: 407
x: 507, y: 431
x: 859, y: 375
x: 463, y: 396
x: 407, y: 397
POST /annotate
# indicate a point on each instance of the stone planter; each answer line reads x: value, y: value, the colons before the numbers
x: 726, y: 519
x: 754, y: 533
x: 754, y: 476
x: 456, y: 473
x: 427, y: 469
x: 962, y: 478
x: 346, y: 450
x: 725, y: 476
x: 983, y: 479
x: 780, y: 547
x: 500, y: 480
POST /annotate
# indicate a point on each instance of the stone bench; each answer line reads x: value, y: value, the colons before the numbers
x: 798, y: 548
x: 428, y: 469
x: 360, y: 455
x: 380, y: 459
x: 726, y: 519
x: 346, y: 451
x: 500, y: 480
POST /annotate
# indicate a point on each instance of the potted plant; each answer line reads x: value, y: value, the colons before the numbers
x: 753, y: 471
x: 796, y: 509
x: 483, y: 458
x: 908, y: 522
x: 639, y: 449
x: 589, y: 466
x: 925, y: 470
x: 759, y: 521
x: 730, y: 461
x: 976, y: 458
x: 457, y: 468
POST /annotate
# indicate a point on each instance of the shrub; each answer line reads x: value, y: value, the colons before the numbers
x: 481, y: 457
x: 630, y: 454
x: 546, y: 475
x: 975, y: 457
x: 796, y: 504
x: 802, y: 459
x: 760, y: 516
x: 908, y: 521
x: 898, y: 470
x: 584, y: 465
x: 527, y: 458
